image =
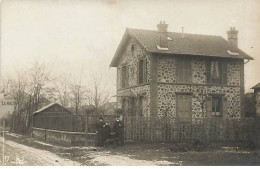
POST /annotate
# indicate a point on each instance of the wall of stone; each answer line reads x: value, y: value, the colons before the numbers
x: 131, y: 58
x: 167, y: 70
x: 167, y: 99
x: 59, y: 137
x: 138, y: 91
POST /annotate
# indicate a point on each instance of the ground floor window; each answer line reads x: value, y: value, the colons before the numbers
x: 184, y: 106
x: 217, y: 106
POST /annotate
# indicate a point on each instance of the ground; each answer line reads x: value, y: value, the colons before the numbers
x: 24, y: 150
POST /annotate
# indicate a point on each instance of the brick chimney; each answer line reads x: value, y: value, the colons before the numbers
x: 162, y: 28
x: 232, y: 39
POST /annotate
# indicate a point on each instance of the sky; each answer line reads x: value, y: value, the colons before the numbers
x: 81, y: 36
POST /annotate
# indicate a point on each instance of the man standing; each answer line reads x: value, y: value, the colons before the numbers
x: 100, y: 132
x: 118, y: 128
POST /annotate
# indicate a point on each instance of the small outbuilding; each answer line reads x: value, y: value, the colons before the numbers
x: 257, y: 98
x: 53, y: 116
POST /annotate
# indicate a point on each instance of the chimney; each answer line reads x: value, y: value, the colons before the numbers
x: 232, y: 39
x: 162, y: 28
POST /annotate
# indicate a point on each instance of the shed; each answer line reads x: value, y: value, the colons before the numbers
x: 53, y: 116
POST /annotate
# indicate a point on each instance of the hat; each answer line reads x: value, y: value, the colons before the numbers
x: 101, y: 118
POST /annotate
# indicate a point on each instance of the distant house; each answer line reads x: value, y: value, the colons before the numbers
x: 257, y: 98
x: 109, y: 108
x: 53, y: 116
x: 161, y: 73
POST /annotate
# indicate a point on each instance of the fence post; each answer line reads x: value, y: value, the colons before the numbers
x: 86, y: 129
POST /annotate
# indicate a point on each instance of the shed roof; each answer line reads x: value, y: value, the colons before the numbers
x: 179, y: 43
x: 257, y: 86
x: 48, y: 106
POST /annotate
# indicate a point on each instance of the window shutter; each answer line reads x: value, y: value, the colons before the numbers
x: 145, y: 70
x: 209, y: 107
x: 177, y: 69
x: 137, y: 64
x: 224, y: 73
x: 208, y: 68
x: 127, y: 76
x: 224, y: 107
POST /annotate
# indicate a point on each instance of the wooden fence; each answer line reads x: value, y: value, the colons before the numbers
x: 165, y: 129
x: 142, y: 129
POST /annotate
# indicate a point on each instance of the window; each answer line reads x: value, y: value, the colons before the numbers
x: 183, y: 70
x: 184, y: 106
x: 216, y: 72
x: 140, y: 105
x: 142, y: 71
x: 125, y: 76
x: 216, y: 106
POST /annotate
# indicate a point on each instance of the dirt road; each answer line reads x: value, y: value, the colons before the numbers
x: 18, y: 154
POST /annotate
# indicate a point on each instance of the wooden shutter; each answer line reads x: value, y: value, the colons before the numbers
x: 208, y: 71
x: 145, y: 71
x: 209, y: 107
x: 137, y: 72
x: 177, y: 69
x: 224, y: 73
x: 224, y: 107
x: 127, y: 76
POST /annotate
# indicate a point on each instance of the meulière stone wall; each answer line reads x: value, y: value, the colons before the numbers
x: 133, y: 52
x: 167, y: 86
x: 130, y: 57
x: 139, y: 91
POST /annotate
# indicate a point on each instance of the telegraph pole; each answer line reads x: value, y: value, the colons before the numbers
x: 3, y: 153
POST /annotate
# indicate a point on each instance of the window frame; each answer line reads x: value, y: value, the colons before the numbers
x: 222, y: 67
x: 125, y: 76
x: 144, y: 73
x: 220, y: 100
x: 178, y: 104
x: 183, y: 67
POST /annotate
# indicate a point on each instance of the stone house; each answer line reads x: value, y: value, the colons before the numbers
x: 161, y: 73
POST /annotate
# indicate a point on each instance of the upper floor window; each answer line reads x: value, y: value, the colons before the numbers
x: 142, y: 71
x: 216, y: 72
x: 183, y: 70
x: 125, y: 76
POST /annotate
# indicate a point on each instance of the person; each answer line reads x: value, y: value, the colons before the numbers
x: 100, y: 132
x: 118, y: 129
x: 107, y: 131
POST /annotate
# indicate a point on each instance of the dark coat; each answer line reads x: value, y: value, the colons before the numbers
x: 118, y: 128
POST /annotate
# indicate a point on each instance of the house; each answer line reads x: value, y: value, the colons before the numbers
x: 53, y: 116
x: 161, y: 73
x: 257, y: 98
x: 109, y: 108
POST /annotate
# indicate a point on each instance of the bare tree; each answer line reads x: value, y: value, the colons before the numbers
x: 62, y: 90
x: 201, y: 95
x: 38, y: 77
x: 98, y: 96
x: 19, y: 97
x: 78, y: 94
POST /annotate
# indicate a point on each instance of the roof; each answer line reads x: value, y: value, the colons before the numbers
x: 178, y: 43
x: 48, y: 106
x: 257, y: 86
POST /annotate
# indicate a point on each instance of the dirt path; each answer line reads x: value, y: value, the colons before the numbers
x: 23, y: 155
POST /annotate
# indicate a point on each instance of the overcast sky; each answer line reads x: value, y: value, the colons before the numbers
x: 71, y: 36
